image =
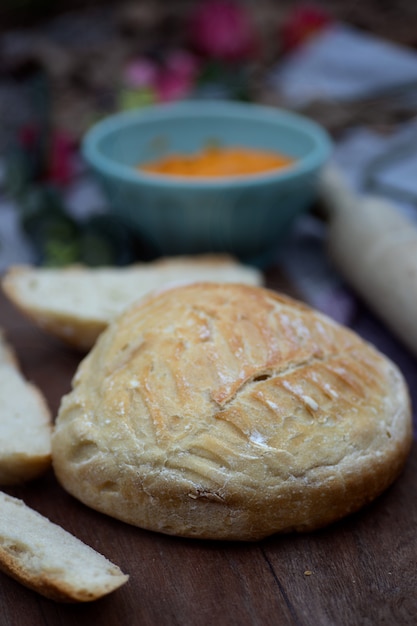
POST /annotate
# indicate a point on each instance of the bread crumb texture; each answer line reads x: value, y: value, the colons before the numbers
x: 230, y: 412
x: 44, y: 557
x: 25, y: 423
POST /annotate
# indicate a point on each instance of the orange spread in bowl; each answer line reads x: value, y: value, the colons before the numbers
x: 215, y: 162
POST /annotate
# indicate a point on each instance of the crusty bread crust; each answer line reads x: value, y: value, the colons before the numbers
x: 231, y: 412
x: 25, y: 423
x: 44, y: 557
x: 76, y: 303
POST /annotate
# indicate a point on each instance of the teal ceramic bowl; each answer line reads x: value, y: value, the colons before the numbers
x: 248, y: 216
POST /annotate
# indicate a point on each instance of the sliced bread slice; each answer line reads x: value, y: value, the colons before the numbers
x: 46, y: 558
x: 25, y: 423
x: 76, y: 303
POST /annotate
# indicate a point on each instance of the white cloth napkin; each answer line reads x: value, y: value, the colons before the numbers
x: 344, y: 64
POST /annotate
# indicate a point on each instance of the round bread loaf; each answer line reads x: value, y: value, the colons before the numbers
x: 230, y: 412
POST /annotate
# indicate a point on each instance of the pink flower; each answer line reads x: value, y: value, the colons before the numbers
x: 140, y: 73
x: 170, y: 79
x: 182, y: 63
x: 175, y: 79
x: 222, y: 30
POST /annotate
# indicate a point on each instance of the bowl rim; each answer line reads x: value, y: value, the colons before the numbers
x: 200, y: 108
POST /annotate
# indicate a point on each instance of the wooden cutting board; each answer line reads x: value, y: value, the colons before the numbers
x: 361, y: 571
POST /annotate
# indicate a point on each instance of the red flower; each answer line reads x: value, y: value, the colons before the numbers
x: 28, y: 137
x: 222, y: 30
x: 52, y: 156
x: 61, y: 159
x: 303, y: 21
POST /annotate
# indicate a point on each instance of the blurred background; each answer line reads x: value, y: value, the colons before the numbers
x: 349, y: 65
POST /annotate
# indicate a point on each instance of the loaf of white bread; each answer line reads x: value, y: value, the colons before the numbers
x: 46, y: 558
x: 230, y: 412
x: 77, y: 303
x: 25, y: 423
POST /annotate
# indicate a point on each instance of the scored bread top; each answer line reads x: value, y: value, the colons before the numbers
x: 230, y: 412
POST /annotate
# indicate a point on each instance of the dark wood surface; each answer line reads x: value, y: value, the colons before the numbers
x: 361, y: 571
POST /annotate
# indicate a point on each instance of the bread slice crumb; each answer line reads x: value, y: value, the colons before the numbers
x: 25, y: 423
x: 46, y: 558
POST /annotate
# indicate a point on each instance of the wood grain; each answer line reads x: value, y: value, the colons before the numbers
x: 361, y: 571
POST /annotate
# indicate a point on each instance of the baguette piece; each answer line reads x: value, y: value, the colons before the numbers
x: 25, y: 423
x: 230, y: 412
x: 374, y: 247
x: 46, y: 558
x: 77, y: 303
